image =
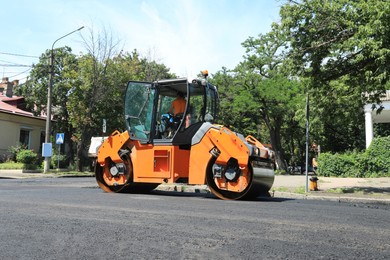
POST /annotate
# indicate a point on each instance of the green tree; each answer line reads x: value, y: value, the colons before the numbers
x: 123, y: 68
x: 262, y: 97
x: 331, y: 39
x: 95, y: 93
x: 230, y: 113
x: 274, y: 92
x: 343, y: 48
x: 65, y: 68
x: 103, y: 75
x: 337, y: 117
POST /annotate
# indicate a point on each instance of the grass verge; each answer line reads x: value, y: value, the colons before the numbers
x: 72, y: 173
x: 11, y: 166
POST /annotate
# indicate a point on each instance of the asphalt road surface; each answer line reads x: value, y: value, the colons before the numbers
x: 71, y: 218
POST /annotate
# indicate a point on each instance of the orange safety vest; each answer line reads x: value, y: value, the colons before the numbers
x: 179, y: 105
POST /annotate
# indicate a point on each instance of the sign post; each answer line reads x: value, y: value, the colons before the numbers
x: 59, y: 141
x: 104, y: 129
x: 104, y: 126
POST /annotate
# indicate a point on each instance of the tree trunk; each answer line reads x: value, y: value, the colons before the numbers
x: 277, y: 147
x: 274, y: 133
x: 80, y: 160
x: 69, y: 151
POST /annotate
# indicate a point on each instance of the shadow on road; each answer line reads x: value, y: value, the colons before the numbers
x: 212, y: 196
x: 365, y: 190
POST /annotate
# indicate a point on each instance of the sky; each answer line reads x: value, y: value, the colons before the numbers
x: 186, y: 35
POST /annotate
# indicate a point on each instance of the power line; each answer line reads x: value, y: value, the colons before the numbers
x: 8, y: 61
x: 15, y: 65
x: 20, y: 55
x: 11, y: 63
x: 13, y: 76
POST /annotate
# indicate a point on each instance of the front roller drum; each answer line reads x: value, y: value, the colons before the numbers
x: 118, y: 177
x: 232, y: 183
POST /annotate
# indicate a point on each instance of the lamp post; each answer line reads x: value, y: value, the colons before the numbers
x: 49, y: 89
x: 307, y: 142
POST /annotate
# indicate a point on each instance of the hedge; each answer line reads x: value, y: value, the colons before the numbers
x: 28, y: 158
x: 373, y: 162
x: 54, y: 161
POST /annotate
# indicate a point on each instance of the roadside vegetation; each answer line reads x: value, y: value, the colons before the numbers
x: 373, y: 162
x: 326, y: 52
x: 21, y: 158
x: 9, y: 165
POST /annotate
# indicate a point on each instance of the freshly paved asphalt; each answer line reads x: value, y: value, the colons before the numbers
x: 366, y: 190
x: 70, y: 218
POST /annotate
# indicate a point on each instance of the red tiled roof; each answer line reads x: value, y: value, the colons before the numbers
x: 6, y: 99
x: 12, y: 109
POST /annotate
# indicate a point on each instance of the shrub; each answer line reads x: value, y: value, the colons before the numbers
x: 377, y: 161
x: 326, y: 165
x: 28, y: 158
x: 374, y: 162
x: 339, y: 165
x: 14, y: 150
x: 54, y: 161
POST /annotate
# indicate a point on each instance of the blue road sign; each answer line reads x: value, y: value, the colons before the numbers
x: 60, y: 138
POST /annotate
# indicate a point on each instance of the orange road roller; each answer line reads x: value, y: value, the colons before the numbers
x: 168, y: 143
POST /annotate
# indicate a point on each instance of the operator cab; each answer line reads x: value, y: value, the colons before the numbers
x: 147, y: 105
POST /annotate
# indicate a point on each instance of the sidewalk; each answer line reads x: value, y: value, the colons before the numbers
x: 365, y: 190
x: 19, y: 174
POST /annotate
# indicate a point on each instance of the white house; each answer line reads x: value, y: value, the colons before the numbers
x: 18, y: 126
x: 372, y: 117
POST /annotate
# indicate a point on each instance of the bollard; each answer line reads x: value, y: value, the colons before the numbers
x: 313, y: 183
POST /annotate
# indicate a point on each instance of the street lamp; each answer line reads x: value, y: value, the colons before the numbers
x: 48, y: 108
x: 307, y: 141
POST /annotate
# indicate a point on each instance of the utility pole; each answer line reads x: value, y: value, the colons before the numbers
x: 307, y: 143
x: 49, y: 97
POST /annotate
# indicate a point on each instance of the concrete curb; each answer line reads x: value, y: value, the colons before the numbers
x: 23, y: 174
x: 334, y: 198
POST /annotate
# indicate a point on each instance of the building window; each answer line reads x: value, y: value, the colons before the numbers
x: 24, y: 138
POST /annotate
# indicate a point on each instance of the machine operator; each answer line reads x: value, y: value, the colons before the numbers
x: 178, y: 105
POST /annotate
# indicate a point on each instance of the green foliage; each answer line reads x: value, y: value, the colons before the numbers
x: 339, y: 165
x: 377, y: 161
x: 260, y: 96
x: 331, y: 50
x: 330, y: 39
x: 54, y: 161
x: 374, y: 162
x: 11, y: 166
x: 382, y: 129
x: 14, y: 150
x: 87, y: 89
x: 342, y: 48
x: 336, y: 117
x: 28, y: 158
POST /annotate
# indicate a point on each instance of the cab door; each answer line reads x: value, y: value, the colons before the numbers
x: 139, y: 107
x: 150, y: 163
